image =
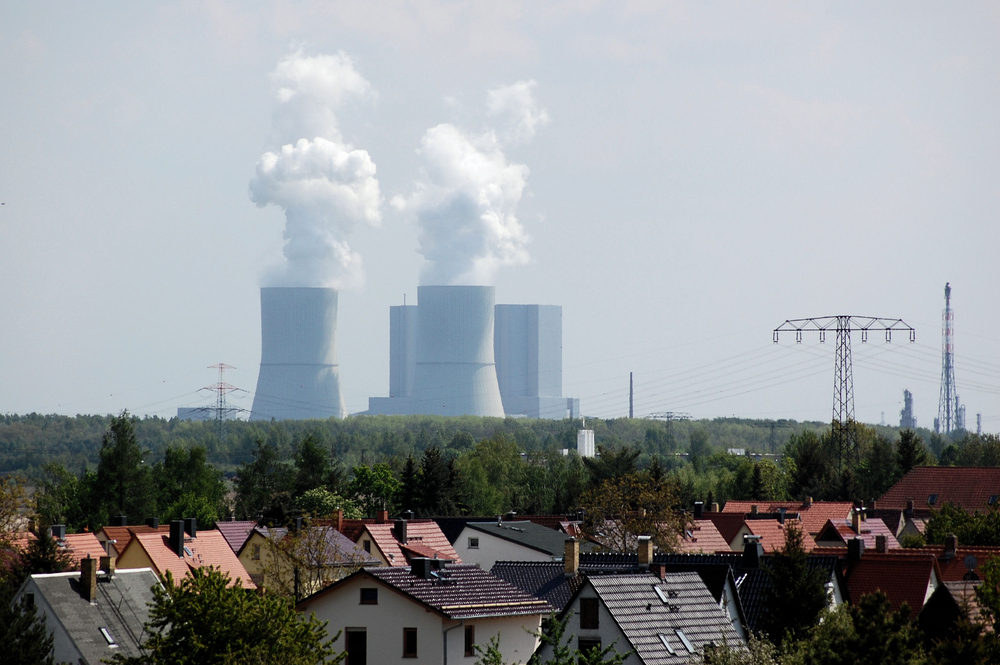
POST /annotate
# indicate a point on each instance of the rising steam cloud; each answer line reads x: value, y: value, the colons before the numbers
x: 467, y: 197
x: 324, y: 185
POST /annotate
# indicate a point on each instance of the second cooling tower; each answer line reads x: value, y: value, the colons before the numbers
x: 455, y: 374
x: 299, y: 375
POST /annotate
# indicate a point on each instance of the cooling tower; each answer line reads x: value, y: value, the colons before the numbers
x: 299, y: 376
x: 455, y: 374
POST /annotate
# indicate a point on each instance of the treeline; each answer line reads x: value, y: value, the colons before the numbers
x: 28, y: 442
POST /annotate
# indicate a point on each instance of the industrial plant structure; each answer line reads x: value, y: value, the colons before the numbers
x: 457, y: 353
x: 299, y: 375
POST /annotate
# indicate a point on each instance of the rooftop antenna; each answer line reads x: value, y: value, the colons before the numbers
x: 843, y: 430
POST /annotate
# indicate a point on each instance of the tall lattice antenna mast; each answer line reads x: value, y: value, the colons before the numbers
x: 948, y: 402
x: 844, y: 434
x: 221, y: 388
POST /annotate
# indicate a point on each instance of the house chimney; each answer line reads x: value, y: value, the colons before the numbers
x: 715, y: 507
x: 808, y: 502
x: 658, y: 569
x: 752, y: 551
x: 338, y: 520
x: 855, y: 548
x: 950, y: 546
x: 381, y: 517
x: 856, y: 520
x: 420, y: 567
x: 781, y: 515
x: 908, y: 513
x: 400, y: 531
x: 753, y: 509
x: 645, y: 552
x: 119, y: 520
x: 872, y: 506
x: 177, y: 537
x: 881, y: 544
x: 571, y: 557
x: 191, y: 526
x: 153, y: 522
x: 409, y: 515
x: 699, y: 510
x: 58, y: 531
x: 296, y: 525
x: 108, y: 565
x: 88, y: 578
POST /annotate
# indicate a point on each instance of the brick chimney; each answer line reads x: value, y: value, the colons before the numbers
x: 881, y: 544
x: 715, y: 507
x: 753, y: 509
x: 381, y: 517
x: 856, y: 520
x: 108, y: 565
x: 950, y: 546
x: 855, y: 548
x: 338, y: 520
x: 808, y: 502
x: 88, y: 578
x: 645, y: 552
x: 571, y: 557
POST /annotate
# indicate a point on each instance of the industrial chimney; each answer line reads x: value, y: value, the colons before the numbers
x: 299, y: 376
x: 455, y: 374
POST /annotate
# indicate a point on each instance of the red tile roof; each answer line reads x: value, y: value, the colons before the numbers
x: 236, y: 532
x: 967, y: 487
x: 953, y: 568
x: 704, y: 538
x: 728, y: 524
x: 902, y: 577
x: 870, y: 529
x: 123, y: 534
x: 422, y: 536
x: 772, y: 534
x: 82, y: 545
x: 209, y: 548
x: 813, y: 516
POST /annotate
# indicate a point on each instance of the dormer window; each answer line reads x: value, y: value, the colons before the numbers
x: 932, y: 499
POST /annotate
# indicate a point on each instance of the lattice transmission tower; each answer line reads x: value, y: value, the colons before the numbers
x: 949, y: 410
x: 843, y: 430
x: 222, y: 409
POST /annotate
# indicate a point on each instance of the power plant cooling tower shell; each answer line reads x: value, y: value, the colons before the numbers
x: 455, y: 374
x: 299, y: 376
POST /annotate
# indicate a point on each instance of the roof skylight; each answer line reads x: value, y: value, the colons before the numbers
x: 666, y: 644
x: 685, y: 641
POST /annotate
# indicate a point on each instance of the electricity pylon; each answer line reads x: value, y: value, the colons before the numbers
x: 220, y: 388
x: 844, y: 433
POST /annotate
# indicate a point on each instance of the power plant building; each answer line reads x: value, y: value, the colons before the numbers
x: 299, y: 374
x: 457, y: 353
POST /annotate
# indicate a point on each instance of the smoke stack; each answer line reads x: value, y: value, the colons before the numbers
x: 455, y: 373
x: 299, y: 375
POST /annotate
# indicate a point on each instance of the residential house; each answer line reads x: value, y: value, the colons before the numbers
x: 950, y: 603
x: 236, y: 532
x: 485, y: 543
x: 902, y: 577
x: 925, y: 488
x: 702, y: 536
x: 838, y: 534
x: 396, y: 543
x: 115, y: 538
x: 770, y: 533
x: 662, y: 619
x: 77, y: 545
x: 92, y: 615
x: 310, y: 557
x: 431, y: 611
x: 811, y: 515
x: 184, y: 548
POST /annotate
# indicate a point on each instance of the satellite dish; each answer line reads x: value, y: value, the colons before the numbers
x: 970, y: 563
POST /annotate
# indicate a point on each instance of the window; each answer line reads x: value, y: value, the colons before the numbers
x: 666, y: 644
x: 685, y: 641
x: 369, y: 596
x: 470, y: 640
x: 107, y: 636
x: 589, y: 618
x: 29, y: 600
x: 473, y: 543
x: 932, y: 499
x: 993, y: 499
x: 367, y: 544
x: 409, y: 643
x: 663, y: 596
x: 357, y: 646
x: 256, y: 553
x: 586, y: 644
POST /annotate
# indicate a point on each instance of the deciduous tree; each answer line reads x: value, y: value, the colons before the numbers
x: 622, y: 509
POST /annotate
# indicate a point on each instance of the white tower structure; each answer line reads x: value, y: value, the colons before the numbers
x: 299, y: 374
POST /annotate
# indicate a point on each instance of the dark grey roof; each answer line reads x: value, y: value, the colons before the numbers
x: 644, y: 615
x: 340, y: 550
x: 458, y: 591
x: 754, y: 584
x: 122, y: 608
x: 529, y: 534
x: 542, y: 579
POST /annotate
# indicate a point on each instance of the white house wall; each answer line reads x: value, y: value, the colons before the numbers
x: 492, y: 549
x: 63, y: 647
x: 607, y: 631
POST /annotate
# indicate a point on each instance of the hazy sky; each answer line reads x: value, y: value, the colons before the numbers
x: 703, y: 172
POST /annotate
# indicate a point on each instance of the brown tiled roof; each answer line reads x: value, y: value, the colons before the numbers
x: 967, y: 487
x: 870, y: 528
x: 702, y: 536
x: 965, y: 597
x: 423, y: 534
x: 123, y: 534
x: 813, y: 516
x: 236, y: 532
x: 82, y: 545
x: 728, y: 524
x: 209, y: 548
x: 952, y: 569
x: 902, y: 577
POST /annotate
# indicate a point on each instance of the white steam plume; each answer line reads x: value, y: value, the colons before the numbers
x: 324, y: 185
x: 467, y: 198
